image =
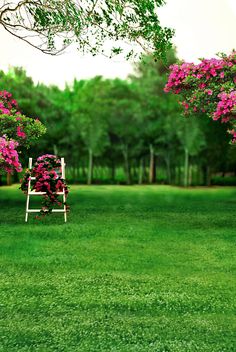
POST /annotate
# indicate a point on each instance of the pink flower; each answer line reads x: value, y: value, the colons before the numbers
x: 202, y: 85
x: 222, y: 74
x: 20, y: 133
x: 186, y: 105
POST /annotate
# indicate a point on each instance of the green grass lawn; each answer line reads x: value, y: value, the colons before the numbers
x: 135, y: 269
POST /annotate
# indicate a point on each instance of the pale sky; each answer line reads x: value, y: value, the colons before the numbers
x: 203, y: 28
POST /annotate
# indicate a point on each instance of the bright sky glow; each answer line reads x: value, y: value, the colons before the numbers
x: 203, y: 28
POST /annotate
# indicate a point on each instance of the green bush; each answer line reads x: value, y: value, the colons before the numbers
x: 223, y: 181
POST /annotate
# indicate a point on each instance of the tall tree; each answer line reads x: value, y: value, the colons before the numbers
x: 89, y: 117
x: 157, y: 108
x: 192, y: 141
x: 124, y: 120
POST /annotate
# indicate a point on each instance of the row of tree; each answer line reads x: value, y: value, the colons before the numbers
x: 131, y: 124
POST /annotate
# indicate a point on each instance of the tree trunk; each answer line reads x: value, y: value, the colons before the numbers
x: 77, y: 170
x: 134, y: 174
x: 176, y: 176
x: 168, y: 169
x: 173, y: 175
x: 55, y: 150
x: 127, y: 166
x: 186, y: 167
x: 141, y: 172
x: 74, y: 174
x: 84, y: 172
x: 204, y: 172
x: 199, y: 175
x: 179, y: 175
x: 9, y: 179
x: 145, y: 171
x: 90, y: 168
x: 113, y: 172
x: 152, y: 166
x: 190, y: 176
x: 208, y: 176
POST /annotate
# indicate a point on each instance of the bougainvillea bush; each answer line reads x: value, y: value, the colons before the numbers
x: 15, y: 129
x: 24, y: 130
x: 208, y: 87
x: 9, y: 160
x: 47, y: 173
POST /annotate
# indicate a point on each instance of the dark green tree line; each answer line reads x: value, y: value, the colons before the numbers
x: 123, y: 130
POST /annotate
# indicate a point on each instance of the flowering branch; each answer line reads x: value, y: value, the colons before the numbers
x: 16, y: 130
x: 208, y: 87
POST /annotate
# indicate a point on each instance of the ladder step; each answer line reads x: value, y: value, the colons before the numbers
x: 33, y: 193
x: 39, y: 210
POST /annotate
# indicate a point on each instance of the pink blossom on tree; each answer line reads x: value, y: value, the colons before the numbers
x: 17, y: 130
x: 208, y: 87
x: 9, y: 160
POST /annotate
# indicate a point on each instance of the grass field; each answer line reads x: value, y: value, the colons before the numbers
x: 136, y: 269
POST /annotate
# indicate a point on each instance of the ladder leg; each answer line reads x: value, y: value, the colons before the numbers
x: 64, y: 200
x: 64, y: 194
x: 29, y: 187
x: 27, y: 208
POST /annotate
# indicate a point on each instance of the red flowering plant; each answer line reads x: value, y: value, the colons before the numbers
x: 208, y: 87
x: 47, y: 178
x: 9, y: 160
x: 16, y: 127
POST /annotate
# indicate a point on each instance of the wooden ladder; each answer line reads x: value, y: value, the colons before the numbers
x: 34, y: 193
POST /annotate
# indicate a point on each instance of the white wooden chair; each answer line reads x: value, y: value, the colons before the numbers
x: 31, y: 192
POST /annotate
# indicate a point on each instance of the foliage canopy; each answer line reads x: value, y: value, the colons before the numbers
x: 94, y: 25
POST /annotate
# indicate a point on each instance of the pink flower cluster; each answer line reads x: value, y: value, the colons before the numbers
x: 9, y: 160
x: 233, y: 133
x: 211, y: 68
x: 20, y: 133
x: 177, y: 77
x: 44, y: 174
x: 51, y: 157
x: 206, y: 69
x: 16, y: 127
x: 8, y: 154
x: 8, y: 105
x: 47, y: 173
x: 208, y: 87
x: 225, y: 106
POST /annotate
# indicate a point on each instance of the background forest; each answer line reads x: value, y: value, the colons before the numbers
x: 124, y: 131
